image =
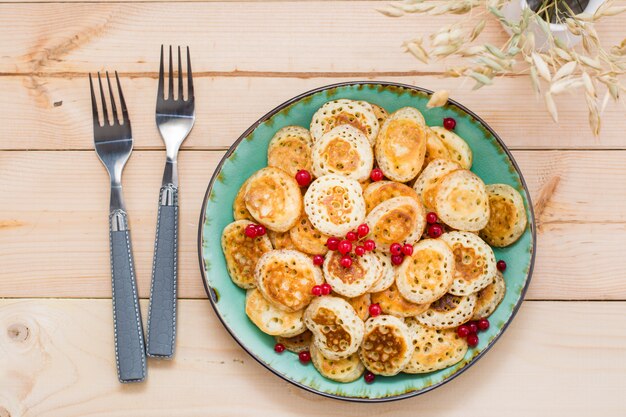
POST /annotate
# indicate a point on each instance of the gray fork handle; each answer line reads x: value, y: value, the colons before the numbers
x: 162, y: 311
x: 130, y: 350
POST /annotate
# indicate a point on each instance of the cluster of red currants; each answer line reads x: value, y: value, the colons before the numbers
x: 253, y: 230
x: 470, y: 330
x: 434, y: 229
x: 398, y: 252
x: 345, y: 246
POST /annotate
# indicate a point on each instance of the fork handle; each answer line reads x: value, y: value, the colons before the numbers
x: 162, y: 310
x: 129, y: 342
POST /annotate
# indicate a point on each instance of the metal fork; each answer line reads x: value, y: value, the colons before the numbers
x: 114, y: 143
x: 175, y: 117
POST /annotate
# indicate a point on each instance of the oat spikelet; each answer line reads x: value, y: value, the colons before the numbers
x: 438, y: 99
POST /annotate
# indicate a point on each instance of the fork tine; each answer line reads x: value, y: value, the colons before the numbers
x: 122, y: 101
x: 170, y: 95
x: 180, y: 77
x: 189, y: 77
x: 105, y: 112
x: 94, y: 104
x: 113, y: 106
x: 160, y: 92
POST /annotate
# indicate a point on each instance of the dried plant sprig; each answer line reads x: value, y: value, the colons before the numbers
x: 553, y: 70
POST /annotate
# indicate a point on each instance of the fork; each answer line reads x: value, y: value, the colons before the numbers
x: 114, y: 143
x: 175, y: 117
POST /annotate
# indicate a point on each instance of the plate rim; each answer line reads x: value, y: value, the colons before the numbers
x: 212, y: 296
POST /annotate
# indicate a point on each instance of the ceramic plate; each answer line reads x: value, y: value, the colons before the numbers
x: 492, y: 162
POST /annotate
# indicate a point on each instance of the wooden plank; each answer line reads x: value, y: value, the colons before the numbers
x: 302, y: 37
x: 54, y: 243
x: 57, y: 360
x: 55, y: 112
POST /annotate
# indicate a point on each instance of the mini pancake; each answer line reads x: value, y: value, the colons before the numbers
x: 399, y: 219
x: 387, y: 345
x: 428, y: 273
x: 360, y: 304
x: 358, y: 114
x: 461, y: 201
x: 280, y: 240
x: 290, y: 150
x: 459, y: 150
x: 242, y: 253
x: 240, y: 212
x: 344, y: 150
x: 334, y: 204
x: 448, y: 312
x: 286, y: 277
x: 401, y: 145
x: 341, y: 370
x: 274, y: 199
x: 381, y: 113
x: 380, y: 191
x: 490, y: 297
x: 270, y: 319
x: 392, y: 302
x: 353, y: 281
x: 430, y: 176
x: 386, y: 276
x: 507, y: 221
x: 337, y: 329
x: 298, y: 343
x: 474, y: 262
x: 435, y: 148
x: 434, y: 348
x: 308, y: 239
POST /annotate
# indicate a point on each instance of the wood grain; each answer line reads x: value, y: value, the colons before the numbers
x: 54, y: 243
x: 55, y: 112
x: 57, y: 360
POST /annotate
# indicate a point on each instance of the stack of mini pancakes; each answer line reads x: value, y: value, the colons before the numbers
x: 446, y: 281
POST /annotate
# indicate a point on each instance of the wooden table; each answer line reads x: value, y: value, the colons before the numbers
x: 565, y: 353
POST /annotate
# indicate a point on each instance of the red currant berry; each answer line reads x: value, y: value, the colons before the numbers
x: 303, y: 177
x: 431, y: 218
x: 318, y: 260
x: 501, y: 265
x: 449, y: 123
x: 375, y: 310
x: 346, y: 261
x: 250, y: 230
x: 260, y: 230
x: 351, y: 236
x: 304, y: 356
x: 316, y: 290
x: 472, y: 340
x: 376, y: 174
x: 395, y: 249
x: 363, y: 230
x: 397, y: 259
x: 472, y: 326
x: 332, y: 243
x: 326, y: 288
x: 344, y: 247
x: 483, y: 324
x: 359, y: 250
x: 369, y: 245
x: 434, y: 231
x: 369, y: 377
x: 407, y: 250
x: 463, y: 331
x: 279, y: 348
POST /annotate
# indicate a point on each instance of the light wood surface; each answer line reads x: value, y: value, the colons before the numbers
x: 564, y: 354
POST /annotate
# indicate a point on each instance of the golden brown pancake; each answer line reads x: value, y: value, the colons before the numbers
x: 401, y: 145
x: 458, y: 149
x: 429, y: 178
x: 448, y: 312
x: 286, y: 278
x: 380, y: 191
x: 307, y: 238
x: 461, y: 201
x: 352, y: 281
x: 434, y: 348
x: 435, y: 148
x: 271, y: 320
x: 240, y: 212
x: 242, y: 253
x: 274, y: 199
x: 298, y: 343
x: 387, y: 345
x: 359, y: 115
x: 341, y: 370
x: 392, y: 302
x: 290, y: 150
x: 281, y: 240
x: 507, y: 220
x: 490, y: 297
x: 399, y: 219
x: 474, y: 262
x: 345, y: 151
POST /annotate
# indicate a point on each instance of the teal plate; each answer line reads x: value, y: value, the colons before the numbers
x: 492, y: 162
